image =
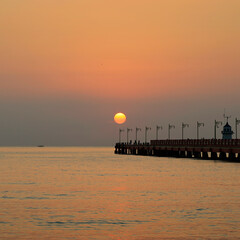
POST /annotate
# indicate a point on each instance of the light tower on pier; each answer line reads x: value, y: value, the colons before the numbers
x: 227, y: 129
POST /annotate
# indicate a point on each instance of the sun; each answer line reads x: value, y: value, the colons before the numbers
x: 120, y: 118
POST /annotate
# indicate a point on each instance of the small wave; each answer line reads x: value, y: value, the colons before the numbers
x: 91, y: 222
x: 59, y: 195
x: 2, y: 222
x: 7, y: 197
x: 201, y: 209
x: 62, y: 216
x: 38, y: 198
x: 62, y: 195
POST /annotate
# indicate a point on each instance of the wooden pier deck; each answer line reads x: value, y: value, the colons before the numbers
x: 215, y: 149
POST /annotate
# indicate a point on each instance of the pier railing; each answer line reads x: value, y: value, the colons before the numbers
x: 189, y: 142
x: 198, y: 143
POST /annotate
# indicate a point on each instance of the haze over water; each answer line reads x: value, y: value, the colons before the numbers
x: 90, y: 193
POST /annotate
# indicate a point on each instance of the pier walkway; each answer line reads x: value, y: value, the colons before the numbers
x: 215, y: 149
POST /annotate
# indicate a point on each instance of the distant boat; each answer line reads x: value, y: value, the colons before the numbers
x: 40, y: 145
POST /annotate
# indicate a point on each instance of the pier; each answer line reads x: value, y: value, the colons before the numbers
x: 207, y: 149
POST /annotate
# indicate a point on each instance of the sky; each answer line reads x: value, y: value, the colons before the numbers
x: 67, y: 66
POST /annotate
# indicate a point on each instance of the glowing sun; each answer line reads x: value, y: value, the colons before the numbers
x: 120, y: 118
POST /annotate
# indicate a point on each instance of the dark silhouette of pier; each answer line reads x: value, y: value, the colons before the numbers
x: 214, y: 149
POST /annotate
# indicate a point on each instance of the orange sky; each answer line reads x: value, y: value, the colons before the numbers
x: 67, y: 66
x: 107, y: 49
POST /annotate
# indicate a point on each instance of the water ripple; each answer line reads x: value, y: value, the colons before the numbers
x: 90, y: 223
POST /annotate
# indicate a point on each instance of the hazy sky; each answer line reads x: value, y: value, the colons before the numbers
x: 67, y: 66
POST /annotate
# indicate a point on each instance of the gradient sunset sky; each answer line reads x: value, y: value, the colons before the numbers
x: 67, y: 66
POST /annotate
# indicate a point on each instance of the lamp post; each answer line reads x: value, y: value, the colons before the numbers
x: 146, y: 130
x: 128, y: 130
x: 183, y: 126
x: 169, y: 130
x: 157, y: 128
x: 137, y: 129
x: 216, y: 125
x: 237, y: 121
x: 199, y: 124
x: 120, y: 130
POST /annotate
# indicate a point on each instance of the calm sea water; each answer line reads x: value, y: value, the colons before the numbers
x: 90, y: 193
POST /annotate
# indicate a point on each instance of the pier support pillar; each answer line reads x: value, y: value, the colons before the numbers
x: 176, y: 154
x: 161, y: 153
x: 214, y: 156
x: 169, y: 153
x: 197, y: 154
x: 189, y: 154
x: 153, y: 152
x: 149, y: 152
x: 232, y: 157
x: 145, y: 152
x: 142, y: 152
x: 164, y: 153
x: 156, y: 153
x: 182, y: 154
x: 139, y: 151
x: 223, y: 156
x: 205, y: 155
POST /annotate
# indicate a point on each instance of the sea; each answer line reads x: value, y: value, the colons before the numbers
x: 92, y: 193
